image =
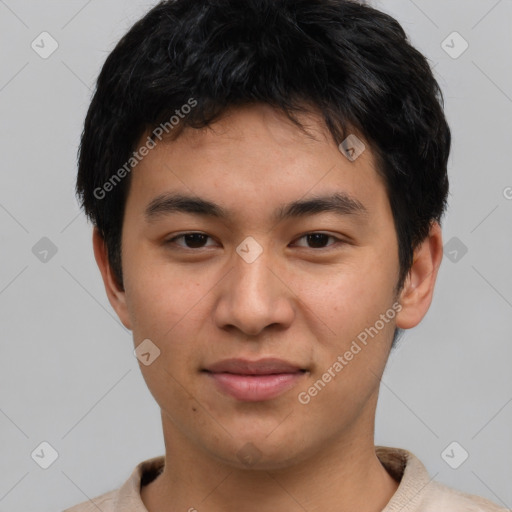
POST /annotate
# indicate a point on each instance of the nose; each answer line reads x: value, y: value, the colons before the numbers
x: 254, y: 296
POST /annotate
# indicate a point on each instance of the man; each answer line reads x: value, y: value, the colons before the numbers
x: 266, y: 180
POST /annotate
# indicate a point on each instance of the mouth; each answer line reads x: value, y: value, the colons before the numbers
x: 254, y: 381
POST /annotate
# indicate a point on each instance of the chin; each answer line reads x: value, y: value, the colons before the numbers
x: 260, y: 453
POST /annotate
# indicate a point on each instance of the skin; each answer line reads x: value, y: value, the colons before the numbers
x: 297, y: 301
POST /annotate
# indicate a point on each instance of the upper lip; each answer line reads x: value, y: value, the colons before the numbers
x: 266, y: 366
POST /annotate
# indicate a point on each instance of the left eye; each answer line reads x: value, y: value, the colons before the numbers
x: 197, y: 240
x: 318, y: 239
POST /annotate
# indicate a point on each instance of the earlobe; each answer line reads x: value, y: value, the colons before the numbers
x: 115, y: 294
x: 416, y: 295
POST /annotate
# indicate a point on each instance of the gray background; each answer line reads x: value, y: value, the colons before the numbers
x: 67, y: 371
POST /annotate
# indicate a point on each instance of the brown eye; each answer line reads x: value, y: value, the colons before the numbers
x: 319, y: 240
x: 192, y: 240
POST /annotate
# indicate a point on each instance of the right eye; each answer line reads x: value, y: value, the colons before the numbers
x: 193, y: 240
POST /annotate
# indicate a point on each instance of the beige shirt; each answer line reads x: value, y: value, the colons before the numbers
x: 416, y: 491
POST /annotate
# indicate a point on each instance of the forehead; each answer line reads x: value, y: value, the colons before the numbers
x: 253, y: 159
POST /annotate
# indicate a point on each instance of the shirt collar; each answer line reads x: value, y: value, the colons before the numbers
x: 401, y: 464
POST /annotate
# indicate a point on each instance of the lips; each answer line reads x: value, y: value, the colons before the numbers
x: 254, y: 381
x: 266, y: 366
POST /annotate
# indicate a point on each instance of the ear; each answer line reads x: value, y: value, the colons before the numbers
x: 115, y: 294
x: 418, y: 290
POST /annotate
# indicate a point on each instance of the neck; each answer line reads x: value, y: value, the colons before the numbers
x: 341, y: 477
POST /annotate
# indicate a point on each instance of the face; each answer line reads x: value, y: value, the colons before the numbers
x: 260, y: 310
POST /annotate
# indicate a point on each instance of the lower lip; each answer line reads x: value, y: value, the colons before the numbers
x: 255, y: 388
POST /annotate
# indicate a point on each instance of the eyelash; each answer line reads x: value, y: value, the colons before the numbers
x: 338, y: 241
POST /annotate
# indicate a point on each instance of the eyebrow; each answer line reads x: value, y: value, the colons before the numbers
x: 338, y: 203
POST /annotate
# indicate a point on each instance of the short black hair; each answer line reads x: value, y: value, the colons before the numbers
x: 344, y: 60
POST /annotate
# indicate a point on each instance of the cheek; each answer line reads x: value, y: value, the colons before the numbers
x: 158, y: 298
x: 174, y: 312
x: 346, y: 298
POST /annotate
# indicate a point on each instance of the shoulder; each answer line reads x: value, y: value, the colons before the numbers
x: 126, y: 497
x: 105, y: 502
x: 418, y: 492
x: 438, y: 497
